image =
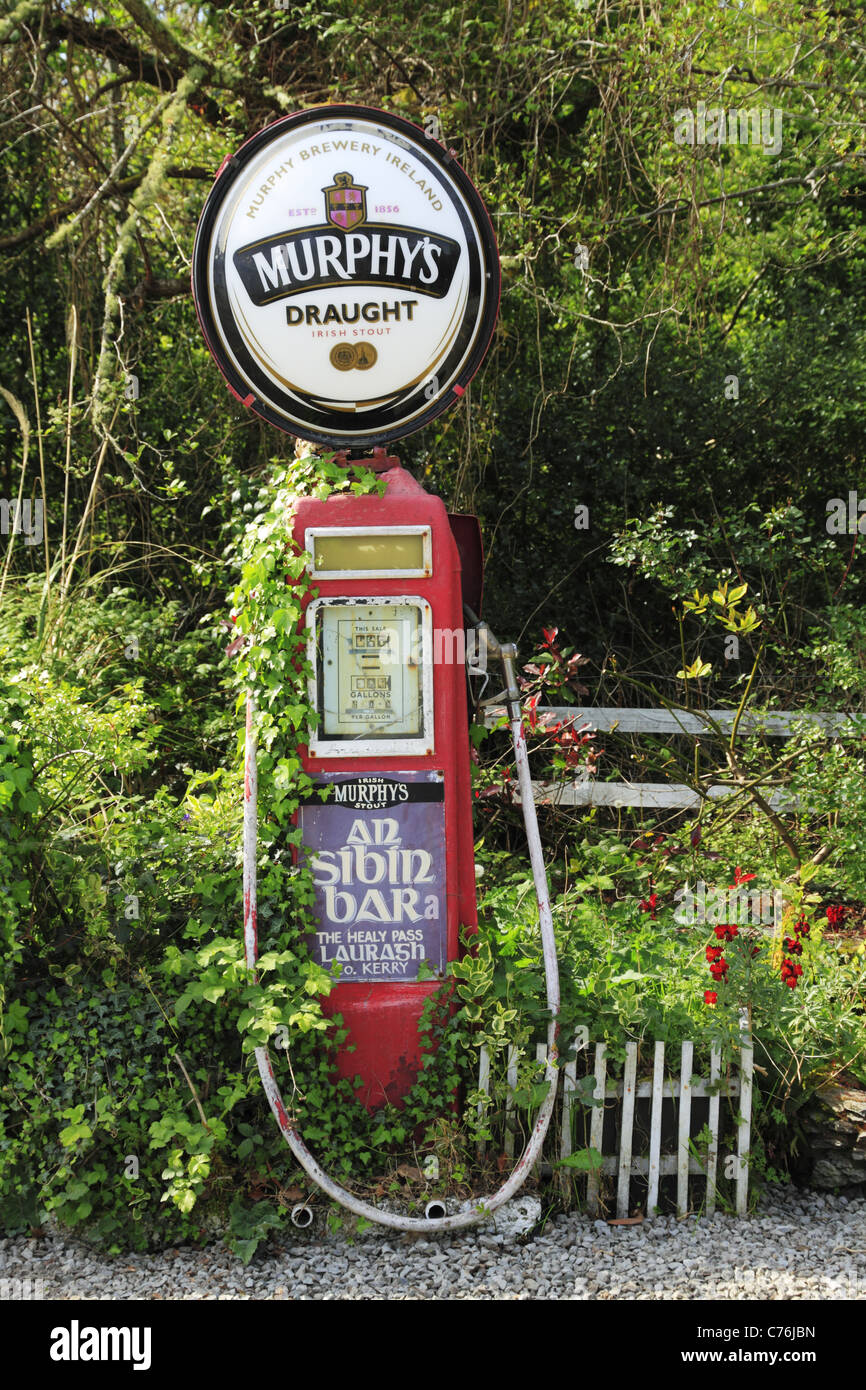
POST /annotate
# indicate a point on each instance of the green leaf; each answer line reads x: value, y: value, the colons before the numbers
x: 73, y: 1133
x: 584, y: 1160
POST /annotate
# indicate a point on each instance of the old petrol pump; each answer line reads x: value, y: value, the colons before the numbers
x: 391, y: 847
x: 347, y: 282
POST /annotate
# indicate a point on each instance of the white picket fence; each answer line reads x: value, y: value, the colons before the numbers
x: 608, y: 719
x: 677, y: 1089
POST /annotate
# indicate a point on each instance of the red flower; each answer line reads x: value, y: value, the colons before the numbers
x: 650, y: 904
x: 793, y: 946
x: 719, y: 969
x: 713, y: 952
x: 792, y: 981
x: 710, y: 996
x: 836, y: 915
x: 726, y: 933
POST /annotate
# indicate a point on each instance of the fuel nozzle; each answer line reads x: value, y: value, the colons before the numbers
x: 506, y: 653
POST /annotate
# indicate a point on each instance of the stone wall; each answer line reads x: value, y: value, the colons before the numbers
x: 834, y: 1123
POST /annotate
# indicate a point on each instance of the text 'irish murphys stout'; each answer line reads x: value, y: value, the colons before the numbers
x: 351, y: 301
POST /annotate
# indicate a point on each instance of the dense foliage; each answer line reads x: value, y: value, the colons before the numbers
x: 653, y: 447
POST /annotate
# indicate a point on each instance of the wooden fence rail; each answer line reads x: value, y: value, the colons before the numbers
x: 775, y: 723
x: 586, y: 791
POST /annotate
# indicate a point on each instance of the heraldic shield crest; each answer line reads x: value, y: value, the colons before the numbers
x: 346, y: 202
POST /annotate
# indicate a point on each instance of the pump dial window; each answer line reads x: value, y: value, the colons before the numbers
x: 370, y: 661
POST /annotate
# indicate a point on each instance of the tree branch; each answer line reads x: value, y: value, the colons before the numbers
x: 676, y: 205
x: 27, y: 10
x: 161, y: 36
x: 121, y: 186
x: 742, y: 299
x: 152, y: 288
x: 746, y: 76
x: 219, y: 74
x: 120, y: 164
x: 105, y: 39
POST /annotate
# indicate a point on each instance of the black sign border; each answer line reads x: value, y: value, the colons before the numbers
x: 245, y: 388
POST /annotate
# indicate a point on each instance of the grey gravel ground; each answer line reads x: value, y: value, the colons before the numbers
x: 797, y: 1246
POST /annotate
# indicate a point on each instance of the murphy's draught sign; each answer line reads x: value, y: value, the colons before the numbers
x: 345, y: 275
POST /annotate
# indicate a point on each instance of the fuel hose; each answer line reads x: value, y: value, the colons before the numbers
x: 482, y: 1207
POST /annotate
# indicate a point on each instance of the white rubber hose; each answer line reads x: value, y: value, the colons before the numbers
x: 484, y: 1205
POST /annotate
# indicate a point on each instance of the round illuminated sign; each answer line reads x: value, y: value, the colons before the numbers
x: 345, y: 275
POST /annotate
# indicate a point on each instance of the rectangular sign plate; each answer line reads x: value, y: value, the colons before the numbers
x: 354, y: 552
x: 376, y: 848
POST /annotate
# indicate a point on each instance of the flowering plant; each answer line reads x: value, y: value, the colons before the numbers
x: 549, y: 679
x: 790, y: 969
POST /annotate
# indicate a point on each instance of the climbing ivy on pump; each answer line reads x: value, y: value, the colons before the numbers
x: 282, y: 996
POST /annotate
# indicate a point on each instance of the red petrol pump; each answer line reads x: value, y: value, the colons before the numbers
x: 350, y: 306
x: 391, y: 847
